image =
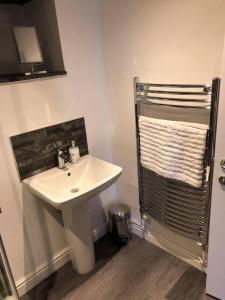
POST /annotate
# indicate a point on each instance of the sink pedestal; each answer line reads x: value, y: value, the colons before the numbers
x: 79, y: 237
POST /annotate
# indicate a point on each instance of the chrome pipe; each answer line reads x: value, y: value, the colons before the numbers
x: 140, y: 97
x: 175, y: 92
x: 192, y: 86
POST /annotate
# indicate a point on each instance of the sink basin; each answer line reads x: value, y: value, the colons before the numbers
x: 79, y: 182
x: 69, y: 190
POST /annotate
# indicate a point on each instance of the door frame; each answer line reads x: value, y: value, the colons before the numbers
x: 8, y: 270
x: 215, y: 283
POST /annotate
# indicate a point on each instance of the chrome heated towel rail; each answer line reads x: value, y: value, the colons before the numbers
x: 177, y: 205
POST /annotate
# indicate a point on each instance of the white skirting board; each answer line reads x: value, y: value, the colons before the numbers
x: 167, y: 245
x: 43, y: 271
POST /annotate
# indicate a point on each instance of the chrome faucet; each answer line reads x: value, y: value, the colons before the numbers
x: 62, y: 160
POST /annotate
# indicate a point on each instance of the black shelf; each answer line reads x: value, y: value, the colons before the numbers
x: 21, y: 77
x: 18, y: 2
x: 44, y: 19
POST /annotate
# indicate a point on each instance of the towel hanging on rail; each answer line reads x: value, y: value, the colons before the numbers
x: 173, y: 149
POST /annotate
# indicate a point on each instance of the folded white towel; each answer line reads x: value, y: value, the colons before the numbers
x: 173, y: 149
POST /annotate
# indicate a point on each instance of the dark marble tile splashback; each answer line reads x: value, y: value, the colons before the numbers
x: 36, y: 151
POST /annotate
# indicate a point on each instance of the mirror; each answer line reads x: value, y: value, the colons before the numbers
x: 28, y: 46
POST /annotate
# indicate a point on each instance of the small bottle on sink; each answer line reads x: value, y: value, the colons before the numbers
x: 74, y: 153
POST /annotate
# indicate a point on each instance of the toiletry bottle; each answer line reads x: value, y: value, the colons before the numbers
x: 74, y: 153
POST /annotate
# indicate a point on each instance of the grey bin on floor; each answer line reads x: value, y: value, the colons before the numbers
x: 119, y: 223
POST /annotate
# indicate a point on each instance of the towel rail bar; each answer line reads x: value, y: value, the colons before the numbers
x: 171, y: 104
x: 192, y: 86
x: 175, y: 92
x: 173, y: 99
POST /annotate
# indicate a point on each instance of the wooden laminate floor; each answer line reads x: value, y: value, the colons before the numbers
x: 138, y: 271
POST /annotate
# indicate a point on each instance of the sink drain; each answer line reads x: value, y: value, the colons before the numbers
x: 74, y: 190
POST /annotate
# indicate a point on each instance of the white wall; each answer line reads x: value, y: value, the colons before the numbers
x: 31, y: 231
x: 160, y: 41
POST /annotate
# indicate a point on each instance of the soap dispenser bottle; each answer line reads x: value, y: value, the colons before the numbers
x: 74, y: 153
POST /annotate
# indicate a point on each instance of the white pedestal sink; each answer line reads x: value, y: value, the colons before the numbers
x: 69, y: 191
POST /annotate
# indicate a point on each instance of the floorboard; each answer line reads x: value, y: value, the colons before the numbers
x: 138, y: 271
